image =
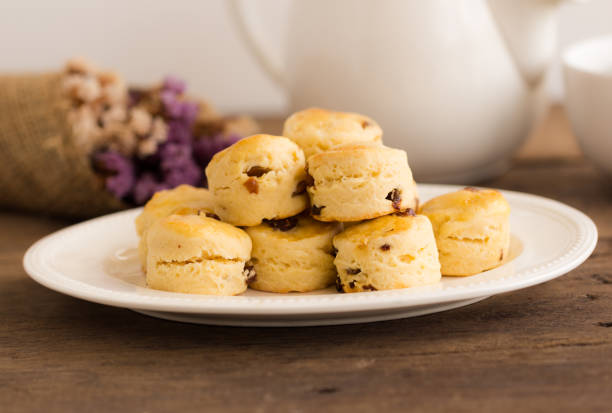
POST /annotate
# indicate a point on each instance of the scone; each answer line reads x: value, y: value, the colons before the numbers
x: 259, y: 177
x: 182, y: 200
x: 472, y: 229
x: 316, y: 130
x: 197, y: 255
x: 293, y: 254
x: 394, y: 251
x: 358, y: 181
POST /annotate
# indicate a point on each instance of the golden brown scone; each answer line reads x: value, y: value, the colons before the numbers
x: 316, y: 130
x: 358, y: 181
x: 293, y: 254
x: 472, y: 230
x: 182, y: 200
x: 390, y: 252
x: 197, y: 255
x: 259, y: 177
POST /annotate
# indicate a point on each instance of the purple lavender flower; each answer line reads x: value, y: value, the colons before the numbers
x: 189, y: 111
x: 180, y: 159
x: 174, y: 154
x: 119, y: 172
x: 188, y: 174
x: 172, y: 106
x: 174, y: 84
x: 146, y: 186
x: 205, y: 147
x: 178, y: 166
x: 179, y: 132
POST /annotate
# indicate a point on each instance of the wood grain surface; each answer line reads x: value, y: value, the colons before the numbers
x: 545, y: 348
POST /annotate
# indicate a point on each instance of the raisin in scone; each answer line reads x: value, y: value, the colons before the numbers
x: 472, y: 230
x: 390, y: 252
x: 182, y: 200
x: 358, y: 181
x: 259, y: 177
x: 293, y: 254
x: 316, y: 130
x: 197, y: 255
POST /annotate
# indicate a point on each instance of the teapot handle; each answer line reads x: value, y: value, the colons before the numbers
x: 254, y: 41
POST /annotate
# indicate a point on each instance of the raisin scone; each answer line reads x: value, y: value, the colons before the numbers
x: 358, y: 181
x: 293, y: 254
x: 316, y: 130
x: 472, y: 230
x: 195, y: 254
x: 182, y: 200
x: 390, y: 252
x: 259, y: 177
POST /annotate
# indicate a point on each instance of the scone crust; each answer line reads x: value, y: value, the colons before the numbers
x: 164, y: 203
x: 197, y: 255
x: 259, y: 177
x: 386, y: 253
x: 472, y: 230
x: 299, y: 259
x: 189, y: 237
x: 182, y: 200
x: 316, y: 130
x: 358, y: 181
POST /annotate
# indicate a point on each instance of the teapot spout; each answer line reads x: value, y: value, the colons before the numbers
x: 529, y: 30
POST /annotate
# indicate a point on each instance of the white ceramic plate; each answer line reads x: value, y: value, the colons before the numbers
x: 97, y: 261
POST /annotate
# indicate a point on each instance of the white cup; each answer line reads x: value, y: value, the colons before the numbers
x: 587, y: 69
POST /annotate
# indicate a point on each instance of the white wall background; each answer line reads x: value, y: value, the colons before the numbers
x: 197, y: 40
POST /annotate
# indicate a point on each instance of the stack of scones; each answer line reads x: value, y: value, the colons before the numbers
x: 327, y: 203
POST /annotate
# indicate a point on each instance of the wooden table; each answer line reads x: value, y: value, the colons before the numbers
x: 545, y: 348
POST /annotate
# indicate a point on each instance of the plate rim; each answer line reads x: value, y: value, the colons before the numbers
x: 577, y: 253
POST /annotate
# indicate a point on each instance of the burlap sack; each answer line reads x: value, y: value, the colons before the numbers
x: 41, y: 170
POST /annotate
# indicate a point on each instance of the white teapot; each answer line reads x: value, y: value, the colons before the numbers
x: 456, y: 83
